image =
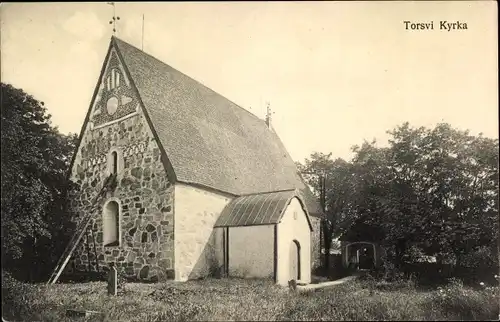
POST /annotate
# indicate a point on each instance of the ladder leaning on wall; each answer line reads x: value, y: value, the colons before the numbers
x: 81, y: 229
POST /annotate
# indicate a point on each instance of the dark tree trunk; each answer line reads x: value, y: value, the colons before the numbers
x: 327, y: 242
x: 400, y: 250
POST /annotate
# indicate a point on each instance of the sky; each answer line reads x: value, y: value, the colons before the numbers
x: 334, y: 73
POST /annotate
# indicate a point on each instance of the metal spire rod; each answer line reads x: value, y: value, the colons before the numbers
x: 115, y: 18
x: 142, y: 46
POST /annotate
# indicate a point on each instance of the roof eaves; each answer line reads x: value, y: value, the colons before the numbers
x: 208, y: 188
x: 245, y: 225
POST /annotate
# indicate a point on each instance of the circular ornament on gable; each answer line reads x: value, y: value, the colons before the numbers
x: 112, y: 105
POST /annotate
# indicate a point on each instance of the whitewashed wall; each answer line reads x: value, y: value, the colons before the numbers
x: 251, y: 251
x: 290, y: 229
x: 198, y: 246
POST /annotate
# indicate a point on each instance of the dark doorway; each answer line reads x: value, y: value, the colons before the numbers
x: 295, y: 260
x: 366, y: 257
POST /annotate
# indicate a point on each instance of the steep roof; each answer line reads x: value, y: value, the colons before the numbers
x: 208, y: 139
x: 257, y: 209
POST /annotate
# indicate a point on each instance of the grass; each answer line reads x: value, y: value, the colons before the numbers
x: 234, y: 299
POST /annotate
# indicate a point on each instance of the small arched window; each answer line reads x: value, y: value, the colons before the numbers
x: 113, y: 80
x: 111, y: 224
x: 114, y: 162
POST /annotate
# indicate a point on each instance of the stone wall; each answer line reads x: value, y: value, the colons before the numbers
x: 315, y: 242
x: 144, y: 193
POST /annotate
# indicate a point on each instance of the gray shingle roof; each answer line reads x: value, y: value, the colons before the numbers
x: 257, y: 209
x: 208, y: 139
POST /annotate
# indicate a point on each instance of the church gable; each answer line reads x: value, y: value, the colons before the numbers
x: 115, y: 99
x: 132, y: 225
x: 138, y: 104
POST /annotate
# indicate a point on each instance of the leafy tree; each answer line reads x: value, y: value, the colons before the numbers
x: 444, y: 190
x: 34, y: 165
x: 336, y: 176
x: 435, y: 190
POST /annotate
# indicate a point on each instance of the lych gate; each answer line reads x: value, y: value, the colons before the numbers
x: 361, y: 245
x: 362, y: 255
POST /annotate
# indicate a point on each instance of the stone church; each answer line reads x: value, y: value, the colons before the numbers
x: 203, y: 187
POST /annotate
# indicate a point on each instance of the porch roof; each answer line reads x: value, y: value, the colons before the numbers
x: 257, y: 209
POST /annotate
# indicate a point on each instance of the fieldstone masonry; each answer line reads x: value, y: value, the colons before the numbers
x: 315, y: 243
x: 145, y: 196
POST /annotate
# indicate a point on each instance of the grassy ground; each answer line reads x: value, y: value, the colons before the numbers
x: 232, y: 299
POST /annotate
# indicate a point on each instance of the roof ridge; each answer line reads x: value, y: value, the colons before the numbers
x: 185, y: 75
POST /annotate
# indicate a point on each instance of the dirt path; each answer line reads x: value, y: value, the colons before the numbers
x: 326, y: 284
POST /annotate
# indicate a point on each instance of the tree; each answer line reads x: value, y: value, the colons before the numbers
x: 435, y: 190
x: 444, y: 190
x: 336, y: 177
x: 34, y: 165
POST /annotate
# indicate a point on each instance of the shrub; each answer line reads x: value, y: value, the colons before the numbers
x: 454, y: 301
x: 336, y: 269
x: 402, y: 284
x: 16, y: 298
x: 479, y: 265
x: 413, y: 254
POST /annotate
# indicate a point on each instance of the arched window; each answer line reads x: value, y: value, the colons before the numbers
x: 114, y: 162
x: 113, y: 80
x: 111, y: 224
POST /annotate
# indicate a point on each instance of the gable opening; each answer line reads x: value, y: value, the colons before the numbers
x: 114, y: 162
x: 113, y: 80
x: 111, y: 224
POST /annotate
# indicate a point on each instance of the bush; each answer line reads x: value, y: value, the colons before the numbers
x: 396, y: 285
x: 454, y: 301
x: 477, y: 266
x: 336, y: 269
x: 413, y: 254
x: 16, y: 298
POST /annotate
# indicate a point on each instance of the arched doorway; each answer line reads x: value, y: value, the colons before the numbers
x: 361, y: 255
x: 366, y: 257
x: 295, y: 261
x: 111, y: 224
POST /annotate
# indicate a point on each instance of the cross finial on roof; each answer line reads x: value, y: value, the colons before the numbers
x: 114, y: 19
